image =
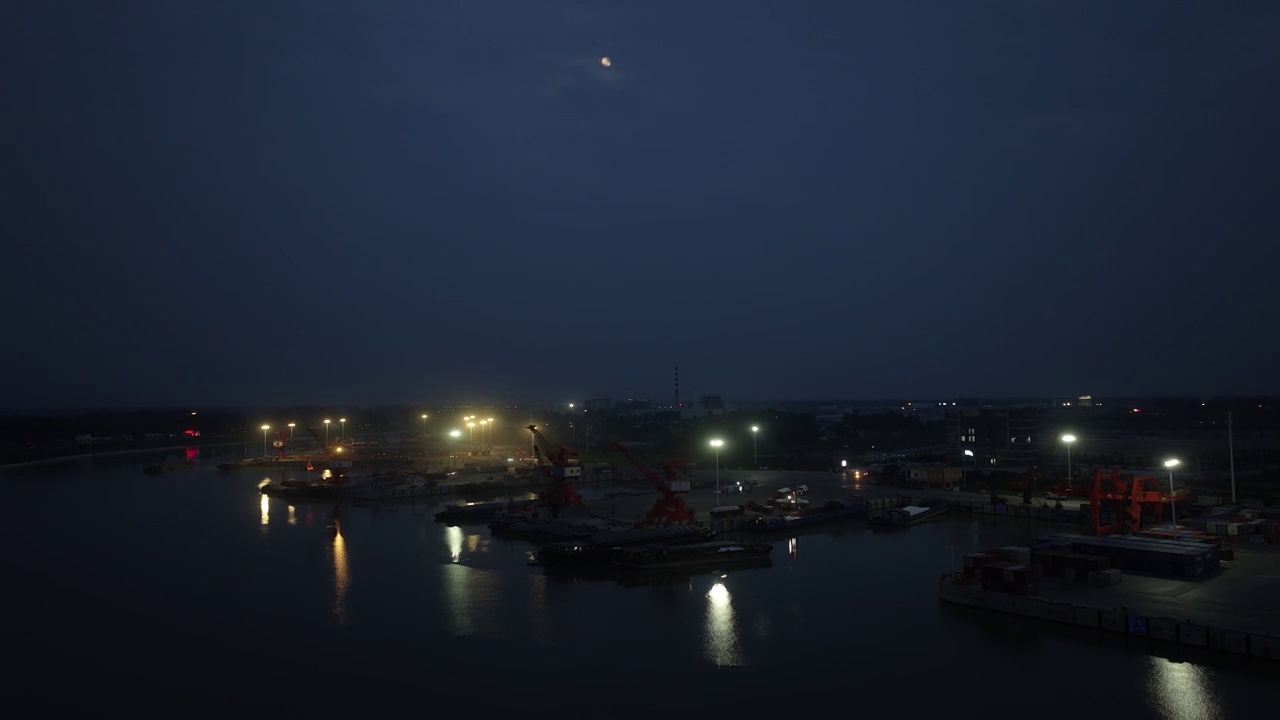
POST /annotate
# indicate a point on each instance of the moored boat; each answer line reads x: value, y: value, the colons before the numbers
x: 904, y: 516
x: 847, y: 509
x: 600, y: 548
x: 480, y: 511
x: 713, y: 555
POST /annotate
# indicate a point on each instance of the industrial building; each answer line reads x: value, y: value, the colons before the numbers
x: 995, y: 436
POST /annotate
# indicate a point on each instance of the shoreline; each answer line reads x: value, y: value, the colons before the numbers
x: 109, y: 453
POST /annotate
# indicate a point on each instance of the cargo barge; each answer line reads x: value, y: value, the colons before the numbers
x: 479, y: 511
x: 904, y: 516
x: 299, y: 489
x: 847, y: 509
x: 599, y: 549
x: 699, y: 556
x: 166, y: 469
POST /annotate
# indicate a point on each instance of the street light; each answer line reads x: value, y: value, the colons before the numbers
x: 755, y: 447
x: 1067, y: 440
x: 1172, y: 463
x: 344, y: 429
x: 483, y: 423
x: 717, y: 443
x: 265, y: 428
x: 424, y: 424
x: 326, y: 432
x: 471, y: 433
x: 291, y: 425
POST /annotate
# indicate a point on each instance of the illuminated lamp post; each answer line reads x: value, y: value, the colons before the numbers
x: 1172, y: 463
x: 755, y: 446
x: 1067, y: 440
x: 717, y: 444
x: 265, y: 428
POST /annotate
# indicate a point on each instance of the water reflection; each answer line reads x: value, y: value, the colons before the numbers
x: 721, y: 644
x: 293, y: 517
x: 793, y: 546
x: 341, y: 575
x: 265, y: 504
x: 1181, y: 690
x: 473, y: 543
x: 453, y: 536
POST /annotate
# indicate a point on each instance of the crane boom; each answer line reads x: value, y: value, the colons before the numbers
x: 562, y: 467
x: 669, y: 507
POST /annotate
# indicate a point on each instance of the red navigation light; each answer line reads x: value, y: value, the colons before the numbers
x: 193, y: 433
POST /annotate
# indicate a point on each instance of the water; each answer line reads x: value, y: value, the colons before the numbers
x: 188, y: 590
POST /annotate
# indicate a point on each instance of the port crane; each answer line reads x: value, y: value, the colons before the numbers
x: 1129, y: 493
x: 338, y: 468
x: 560, y: 469
x: 669, y: 507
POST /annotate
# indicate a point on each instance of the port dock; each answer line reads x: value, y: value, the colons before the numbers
x: 1232, y: 610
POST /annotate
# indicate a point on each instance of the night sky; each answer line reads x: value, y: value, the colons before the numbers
x: 275, y: 201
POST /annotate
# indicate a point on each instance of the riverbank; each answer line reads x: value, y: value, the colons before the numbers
x: 109, y: 453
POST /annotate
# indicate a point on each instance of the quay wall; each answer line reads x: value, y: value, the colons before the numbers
x: 1124, y: 621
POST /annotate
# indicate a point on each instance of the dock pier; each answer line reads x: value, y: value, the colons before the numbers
x: 1123, y: 620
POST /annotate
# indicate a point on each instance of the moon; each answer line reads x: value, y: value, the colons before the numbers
x: 606, y: 61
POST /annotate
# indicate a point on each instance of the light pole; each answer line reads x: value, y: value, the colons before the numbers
x: 716, y: 444
x: 424, y: 424
x: 326, y: 433
x: 755, y: 446
x: 1067, y: 440
x: 1231, y: 456
x: 454, y: 434
x: 490, y: 430
x: 1172, y: 463
x: 265, y: 428
x: 343, y: 422
x: 471, y: 432
x: 483, y: 424
x: 291, y: 437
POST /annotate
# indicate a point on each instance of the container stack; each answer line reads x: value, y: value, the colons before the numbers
x: 993, y: 573
x: 1242, y: 524
x: 1070, y: 566
x: 974, y: 561
x: 1185, y: 559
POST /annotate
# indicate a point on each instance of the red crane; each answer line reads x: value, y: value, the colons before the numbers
x: 338, y: 469
x: 562, y: 467
x: 1128, y: 494
x: 669, y: 506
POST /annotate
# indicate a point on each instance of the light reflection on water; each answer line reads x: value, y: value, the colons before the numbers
x: 341, y: 574
x: 721, y: 644
x: 265, y: 505
x: 293, y: 515
x: 1181, y: 690
x: 453, y: 536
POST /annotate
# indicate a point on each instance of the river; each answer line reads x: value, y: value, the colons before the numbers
x: 191, y: 592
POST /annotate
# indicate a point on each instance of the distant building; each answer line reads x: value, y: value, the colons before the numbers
x: 995, y: 436
x: 599, y: 404
x: 1085, y: 401
x: 154, y: 436
x: 933, y: 476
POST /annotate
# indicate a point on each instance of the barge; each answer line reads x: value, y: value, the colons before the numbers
x: 479, y: 511
x: 165, y: 469
x: 699, y: 556
x: 904, y: 516
x: 847, y: 509
x: 599, y: 549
